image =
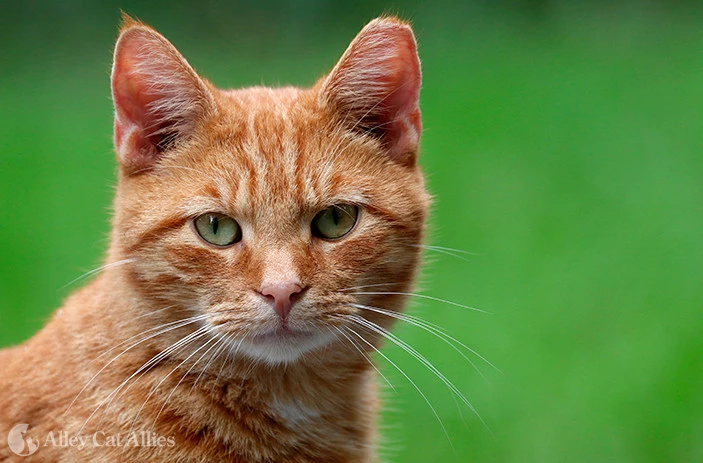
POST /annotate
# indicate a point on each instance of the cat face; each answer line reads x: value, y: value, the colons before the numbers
x: 267, y: 211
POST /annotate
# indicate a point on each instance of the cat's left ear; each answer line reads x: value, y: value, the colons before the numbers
x: 158, y: 96
x: 375, y: 87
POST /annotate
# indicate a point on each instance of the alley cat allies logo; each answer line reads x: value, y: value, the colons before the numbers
x: 23, y: 445
x: 18, y: 443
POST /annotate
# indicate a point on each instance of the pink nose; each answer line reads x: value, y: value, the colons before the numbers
x: 281, y: 296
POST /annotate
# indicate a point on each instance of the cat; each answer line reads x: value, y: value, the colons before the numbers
x: 262, y: 241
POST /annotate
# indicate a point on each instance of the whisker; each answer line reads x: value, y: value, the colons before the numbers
x: 410, y: 350
x: 444, y: 248
x: 100, y: 269
x: 191, y: 319
x: 185, y: 321
x: 227, y: 359
x: 180, y: 323
x: 436, y: 331
x: 163, y: 355
x: 367, y: 286
x: 421, y: 296
x: 145, y: 367
x: 204, y: 331
x: 341, y: 131
x: 223, y: 344
x: 217, y: 340
x: 401, y: 316
x: 417, y: 388
x: 441, y: 251
x: 356, y: 346
x: 461, y: 412
x: 338, y: 149
x: 373, y: 108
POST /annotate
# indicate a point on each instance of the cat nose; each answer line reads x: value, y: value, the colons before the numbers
x: 281, y: 296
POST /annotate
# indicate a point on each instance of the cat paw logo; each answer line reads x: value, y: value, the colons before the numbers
x: 17, y: 442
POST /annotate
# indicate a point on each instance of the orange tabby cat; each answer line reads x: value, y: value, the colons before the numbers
x: 261, y: 238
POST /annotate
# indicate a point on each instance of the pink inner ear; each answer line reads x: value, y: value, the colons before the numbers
x: 376, y: 85
x: 158, y: 97
x: 404, y: 121
x: 133, y: 119
x: 131, y: 91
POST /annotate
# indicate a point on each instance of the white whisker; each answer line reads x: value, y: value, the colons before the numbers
x: 145, y: 367
x: 227, y: 359
x: 183, y: 321
x: 434, y: 330
x: 155, y: 388
x: 356, y: 346
x: 422, y: 359
x: 422, y: 296
x: 100, y: 269
x: 444, y: 248
x: 224, y: 342
x: 367, y: 286
x: 441, y: 250
x: 178, y: 324
x: 417, y: 388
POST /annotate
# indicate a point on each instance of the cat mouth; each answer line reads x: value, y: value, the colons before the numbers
x: 282, y: 333
x: 283, y: 344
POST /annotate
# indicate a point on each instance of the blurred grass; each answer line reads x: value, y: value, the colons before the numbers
x: 563, y: 147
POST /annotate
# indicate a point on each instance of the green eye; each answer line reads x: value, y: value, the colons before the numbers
x: 218, y: 229
x: 335, y: 221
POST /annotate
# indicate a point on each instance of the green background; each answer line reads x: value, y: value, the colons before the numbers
x: 563, y: 143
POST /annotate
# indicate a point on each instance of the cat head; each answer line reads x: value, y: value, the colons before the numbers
x: 279, y: 217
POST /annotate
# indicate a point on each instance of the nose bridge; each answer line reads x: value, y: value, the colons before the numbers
x: 278, y: 267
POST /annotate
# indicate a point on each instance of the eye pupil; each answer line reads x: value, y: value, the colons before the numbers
x: 335, y: 221
x: 214, y: 224
x: 218, y: 229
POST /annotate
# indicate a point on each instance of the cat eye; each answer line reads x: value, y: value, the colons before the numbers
x: 335, y: 221
x: 218, y: 229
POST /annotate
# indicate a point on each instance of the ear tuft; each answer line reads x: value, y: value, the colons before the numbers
x: 158, y: 97
x: 126, y: 21
x: 375, y: 87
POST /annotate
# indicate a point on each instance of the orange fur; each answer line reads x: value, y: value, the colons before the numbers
x: 271, y: 159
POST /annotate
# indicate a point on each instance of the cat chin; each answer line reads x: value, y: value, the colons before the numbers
x: 275, y: 349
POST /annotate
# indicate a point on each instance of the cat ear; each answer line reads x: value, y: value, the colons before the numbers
x: 375, y: 87
x: 158, y: 97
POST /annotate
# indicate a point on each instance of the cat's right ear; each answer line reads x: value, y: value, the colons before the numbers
x: 158, y: 96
